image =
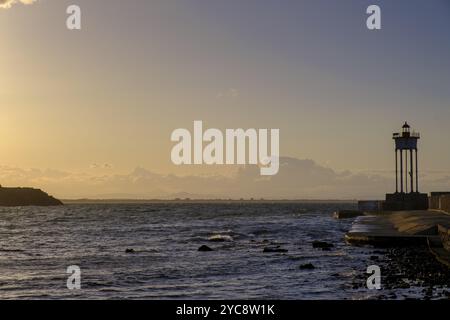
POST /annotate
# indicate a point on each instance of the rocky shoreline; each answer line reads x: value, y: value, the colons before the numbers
x: 407, y: 272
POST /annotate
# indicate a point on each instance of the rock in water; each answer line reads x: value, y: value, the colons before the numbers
x: 308, y: 266
x: 346, y: 214
x: 129, y: 250
x: 322, y: 245
x: 205, y: 248
x: 277, y: 249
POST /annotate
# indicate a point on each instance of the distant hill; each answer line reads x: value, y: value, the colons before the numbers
x: 14, y: 197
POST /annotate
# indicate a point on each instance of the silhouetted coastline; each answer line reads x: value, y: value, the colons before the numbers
x: 15, y: 197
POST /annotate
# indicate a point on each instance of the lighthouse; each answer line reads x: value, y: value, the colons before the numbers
x: 406, y: 160
x: 406, y: 196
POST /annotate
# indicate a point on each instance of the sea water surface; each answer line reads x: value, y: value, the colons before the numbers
x: 38, y: 244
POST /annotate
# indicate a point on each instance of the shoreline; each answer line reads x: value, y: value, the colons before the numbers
x: 407, y: 272
x: 412, y: 248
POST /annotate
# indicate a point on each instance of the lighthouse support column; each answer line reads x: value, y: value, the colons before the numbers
x: 411, y: 165
x: 401, y: 170
x: 406, y: 171
x: 417, y: 173
x: 396, y: 171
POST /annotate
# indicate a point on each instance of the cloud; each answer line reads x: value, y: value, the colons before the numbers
x: 6, y: 4
x: 297, y: 179
x: 101, y: 166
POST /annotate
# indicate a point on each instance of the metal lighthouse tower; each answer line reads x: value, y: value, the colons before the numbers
x: 406, y: 196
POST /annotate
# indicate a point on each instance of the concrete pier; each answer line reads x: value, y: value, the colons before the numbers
x: 404, y: 228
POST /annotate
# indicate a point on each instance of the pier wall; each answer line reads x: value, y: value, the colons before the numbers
x: 440, y: 201
x: 406, y: 201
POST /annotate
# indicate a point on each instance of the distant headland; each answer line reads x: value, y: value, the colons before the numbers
x: 15, y: 197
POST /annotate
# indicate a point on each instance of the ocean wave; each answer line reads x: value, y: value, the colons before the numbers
x: 220, y: 238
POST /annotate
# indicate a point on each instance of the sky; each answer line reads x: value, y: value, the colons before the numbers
x: 89, y: 113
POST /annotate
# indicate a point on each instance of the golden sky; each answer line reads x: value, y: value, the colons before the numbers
x: 104, y: 100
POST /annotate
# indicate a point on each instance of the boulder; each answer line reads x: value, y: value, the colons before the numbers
x: 347, y: 214
x: 274, y: 249
x: 204, y: 248
x: 307, y: 266
x: 322, y: 245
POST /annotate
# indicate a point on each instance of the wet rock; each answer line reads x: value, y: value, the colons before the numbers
x: 204, y: 248
x: 346, y: 214
x: 307, y: 266
x: 129, y: 250
x: 322, y: 245
x: 216, y: 239
x: 274, y: 249
x: 415, y: 269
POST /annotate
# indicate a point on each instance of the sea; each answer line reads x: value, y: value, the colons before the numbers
x: 150, y: 251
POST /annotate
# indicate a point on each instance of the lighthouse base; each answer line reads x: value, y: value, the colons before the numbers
x: 405, y: 201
